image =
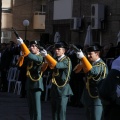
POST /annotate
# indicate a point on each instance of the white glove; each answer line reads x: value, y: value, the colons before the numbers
x: 118, y: 90
x: 19, y: 41
x: 43, y: 52
x: 80, y: 54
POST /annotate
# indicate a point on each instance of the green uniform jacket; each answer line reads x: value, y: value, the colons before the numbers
x: 61, y: 73
x: 90, y: 94
x: 35, y: 63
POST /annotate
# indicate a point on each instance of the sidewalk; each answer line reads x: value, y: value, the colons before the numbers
x: 14, y: 108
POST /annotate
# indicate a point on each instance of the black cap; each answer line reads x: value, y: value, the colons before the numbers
x: 35, y: 42
x: 61, y: 44
x: 93, y: 48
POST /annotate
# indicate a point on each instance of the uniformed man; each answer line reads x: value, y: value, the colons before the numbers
x: 34, y: 82
x: 95, y: 70
x: 61, y: 89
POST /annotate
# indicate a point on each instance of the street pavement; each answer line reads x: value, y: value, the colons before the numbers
x: 12, y: 107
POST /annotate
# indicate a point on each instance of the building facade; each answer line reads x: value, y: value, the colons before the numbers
x: 68, y: 17
x: 14, y: 12
x: 102, y: 15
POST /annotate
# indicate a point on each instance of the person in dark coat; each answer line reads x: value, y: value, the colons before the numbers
x: 6, y: 60
x: 109, y: 92
x: 3, y: 67
x: 76, y: 82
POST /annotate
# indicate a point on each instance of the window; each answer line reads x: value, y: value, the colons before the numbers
x: 43, y: 8
x: 5, y: 36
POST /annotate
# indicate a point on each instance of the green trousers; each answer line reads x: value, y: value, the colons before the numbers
x: 59, y: 105
x: 34, y: 103
x: 94, y: 112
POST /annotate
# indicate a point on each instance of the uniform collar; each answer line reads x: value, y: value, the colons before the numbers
x: 96, y: 61
x: 38, y: 53
x: 59, y: 58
